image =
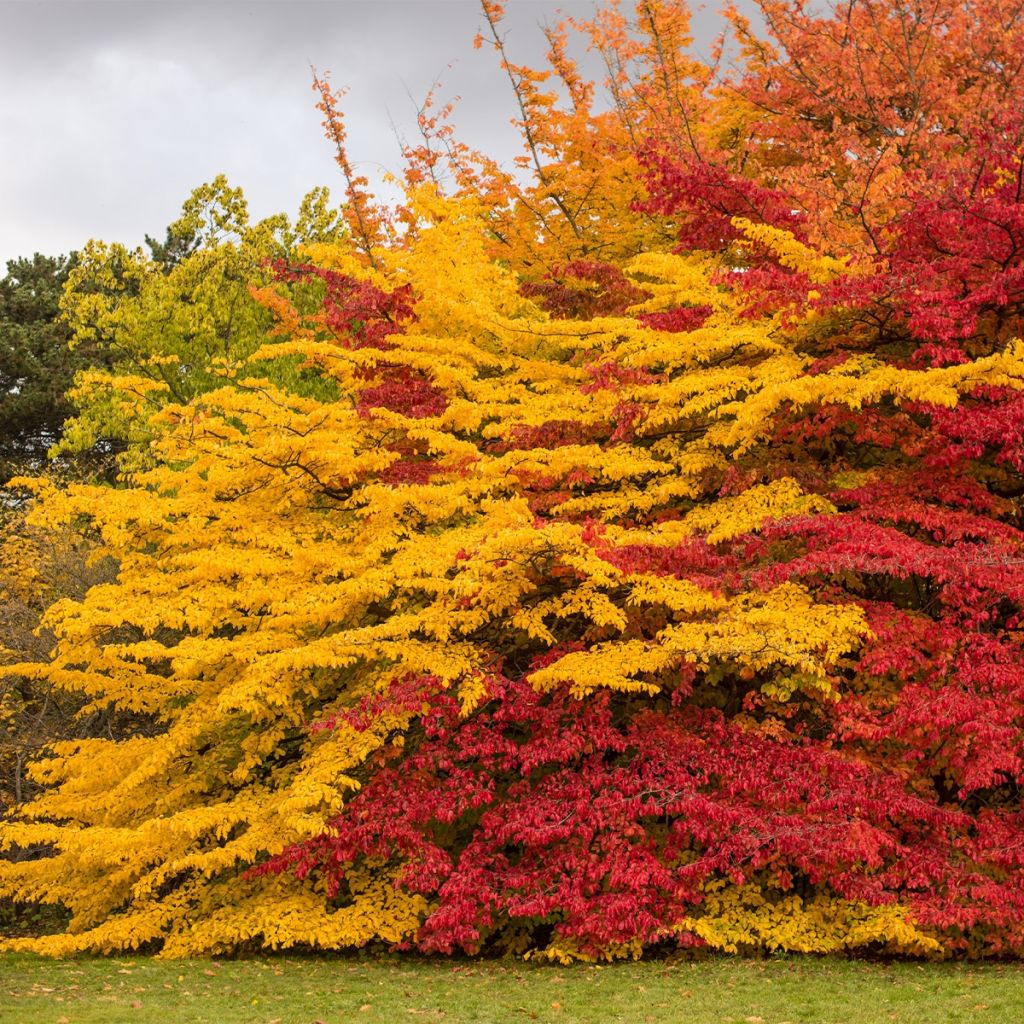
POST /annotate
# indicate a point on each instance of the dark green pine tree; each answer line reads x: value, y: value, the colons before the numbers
x: 36, y: 365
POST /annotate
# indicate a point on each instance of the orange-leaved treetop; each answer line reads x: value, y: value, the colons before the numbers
x: 630, y: 556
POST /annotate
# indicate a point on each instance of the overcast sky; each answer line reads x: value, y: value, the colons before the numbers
x: 111, y: 112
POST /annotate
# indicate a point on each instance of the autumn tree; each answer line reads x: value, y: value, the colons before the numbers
x: 581, y: 590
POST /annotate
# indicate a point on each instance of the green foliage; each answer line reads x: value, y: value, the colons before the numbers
x: 172, y: 321
x: 36, y: 365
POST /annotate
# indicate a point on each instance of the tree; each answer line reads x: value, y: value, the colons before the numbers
x: 169, y: 321
x: 580, y: 593
x: 36, y: 365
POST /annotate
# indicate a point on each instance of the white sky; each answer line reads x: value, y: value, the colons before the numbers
x: 112, y: 112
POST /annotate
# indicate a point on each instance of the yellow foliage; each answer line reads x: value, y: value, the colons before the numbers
x: 749, y: 917
x: 820, y: 269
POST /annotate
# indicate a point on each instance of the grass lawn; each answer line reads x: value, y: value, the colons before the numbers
x: 391, y: 991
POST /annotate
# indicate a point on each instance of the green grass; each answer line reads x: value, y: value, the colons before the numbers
x: 392, y: 991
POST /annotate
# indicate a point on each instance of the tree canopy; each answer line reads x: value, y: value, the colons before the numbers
x: 36, y: 367
x: 628, y: 557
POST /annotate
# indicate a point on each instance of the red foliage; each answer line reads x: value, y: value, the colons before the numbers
x: 707, y: 195
x: 404, y: 393
x: 682, y: 318
x: 359, y: 314
x: 602, y: 822
x: 584, y: 289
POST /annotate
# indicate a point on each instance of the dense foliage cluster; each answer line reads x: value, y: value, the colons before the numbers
x: 36, y: 367
x: 626, y: 554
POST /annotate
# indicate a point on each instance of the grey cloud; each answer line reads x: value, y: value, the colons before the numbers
x: 110, y: 113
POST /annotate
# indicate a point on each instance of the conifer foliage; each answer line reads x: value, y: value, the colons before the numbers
x: 627, y: 558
